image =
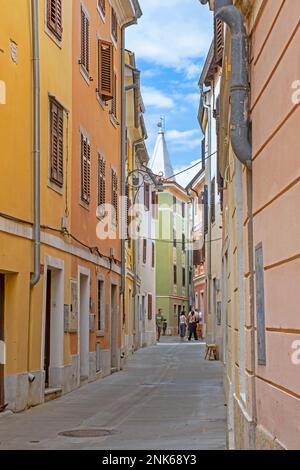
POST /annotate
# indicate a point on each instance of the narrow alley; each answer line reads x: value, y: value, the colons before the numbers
x: 168, y: 397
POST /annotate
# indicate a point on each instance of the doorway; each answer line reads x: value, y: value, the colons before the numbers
x: 2, y: 343
x: 54, y: 328
x: 114, y: 328
x: 84, y: 328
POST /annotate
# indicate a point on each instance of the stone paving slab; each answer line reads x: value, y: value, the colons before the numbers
x: 167, y: 398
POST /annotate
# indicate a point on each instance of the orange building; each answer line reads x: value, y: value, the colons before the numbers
x: 98, y: 55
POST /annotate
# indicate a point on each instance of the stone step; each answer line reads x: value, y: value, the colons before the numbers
x: 52, y: 393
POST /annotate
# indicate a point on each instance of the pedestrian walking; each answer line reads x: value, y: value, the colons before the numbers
x: 165, y: 326
x: 192, y: 319
x: 182, y: 325
x: 159, y: 324
x: 199, y: 329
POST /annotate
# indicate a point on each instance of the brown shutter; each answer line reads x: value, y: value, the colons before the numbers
x: 153, y: 255
x: 85, y: 170
x: 219, y: 41
x: 54, y: 17
x: 150, y: 307
x: 102, y: 6
x: 101, y: 180
x: 85, y: 41
x: 114, y: 100
x: 147, y: 196
x: 114, y: 193
x: 144, y: 251
x: 56, y: 143
x: 106, y: 70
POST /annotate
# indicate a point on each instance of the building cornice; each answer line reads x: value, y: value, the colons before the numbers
x: 126, y: 10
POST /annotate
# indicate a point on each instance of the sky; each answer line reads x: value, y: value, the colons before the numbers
x: 171, y: 42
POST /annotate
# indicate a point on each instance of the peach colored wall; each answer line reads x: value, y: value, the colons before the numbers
x: 276, y: 195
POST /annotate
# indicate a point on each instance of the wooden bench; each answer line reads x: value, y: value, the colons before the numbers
x: 211, y: 352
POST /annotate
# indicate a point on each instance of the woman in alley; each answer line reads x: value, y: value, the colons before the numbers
x: 192, y: 319
x: 182, y: 326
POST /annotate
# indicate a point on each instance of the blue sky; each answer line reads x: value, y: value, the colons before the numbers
x: 171, y: 42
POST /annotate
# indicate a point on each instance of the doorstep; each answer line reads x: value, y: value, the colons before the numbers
x: 52, y: 393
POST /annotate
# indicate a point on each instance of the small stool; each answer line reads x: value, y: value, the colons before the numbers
x: 211, y: 352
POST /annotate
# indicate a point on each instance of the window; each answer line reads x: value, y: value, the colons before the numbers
x: 85, y: 42
x: 183, y: 210
x: 218, y: 40
x: 153, y: 255
x: 128, y: 212
x: 101, y: 180
x: 183, y: 242
x: 114, y: 25
x: 205, y: 211
x: 175, y: 275
x: 183, y: 277
x: 54, y: 17
x: 56, y: 143
x: 100, y: 319
x: 144, y: 251
x: 174, y: 203
x: 114, y: 99
x: 203, y: 154
x: 213, y: 201
x: 102, y: 6
x: 150, y: 307
x: 105, y: 70
x: 114, y: 195
x: 154, y: 205
x: 85, y: 170
x: 147, y: 196
x: 174, y: 238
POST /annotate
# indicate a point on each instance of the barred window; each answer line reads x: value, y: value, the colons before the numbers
x: 101, y: 180
x: 114, y: 195
x: 85, y: 170
x: 85, y: 41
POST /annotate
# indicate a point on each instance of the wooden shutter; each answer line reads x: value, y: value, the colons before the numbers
x: 147, y: 196
x: 114, y: 195
x: 54, y: 17
x: 213, y: 201
x: 114, y: 100
x: 85, y: 41
x: 85, y: 170
x: 106, y: 70
x: 150, y: 307
x: 114, y: 25
x: 56, y: 143
x: 203, y: 154
x: 102, y: 6
x: 144, y: 251
x: 219, y: 41
x: 101, y: 180
x: 153, y: 255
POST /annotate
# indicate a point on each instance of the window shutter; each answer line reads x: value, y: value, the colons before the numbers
x: 114, y: 100
x: 54, y: 17
x: 147, y: 196
x: 114, y: 25
x: 153, y: 255
x: 106, y: 70
x: 213, y: 201
x: 203, y: 154
x: 85, y: 41
x: 150, y: 307
x: 85, y: 170
x: 219, y: 41
x: 114, y: 195
x: 102, y: 6
x: 101, y: 180
x: 144, y: 251
x: 56, y: 143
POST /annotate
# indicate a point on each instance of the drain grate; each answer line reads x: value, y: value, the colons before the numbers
x: 87, y: 433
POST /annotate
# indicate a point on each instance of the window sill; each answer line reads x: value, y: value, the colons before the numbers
x: 101, y: 102
x: 55, y: 187
x: 84, y: 205
x: 113, y: 120
x: 85, y: 75
x: 113, y: 40
x: 101, y: 14
x: 52, y: 36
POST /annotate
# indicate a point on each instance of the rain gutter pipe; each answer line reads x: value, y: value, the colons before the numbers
x: 36, y: 149
x: 239, y: 90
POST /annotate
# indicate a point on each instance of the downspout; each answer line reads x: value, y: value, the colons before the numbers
x: 239, y: 90
x: 36, y: 148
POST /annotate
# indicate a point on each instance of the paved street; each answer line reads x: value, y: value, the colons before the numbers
x: 167, y: 398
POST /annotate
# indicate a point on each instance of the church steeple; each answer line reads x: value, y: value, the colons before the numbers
x: 160, y: 162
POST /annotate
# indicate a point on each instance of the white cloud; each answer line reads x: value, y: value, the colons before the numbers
x: 187, y: 140
x: 172, y: 33
x: 156, y: 98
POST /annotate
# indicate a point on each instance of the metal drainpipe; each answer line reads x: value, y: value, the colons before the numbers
x: 36, y: 150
